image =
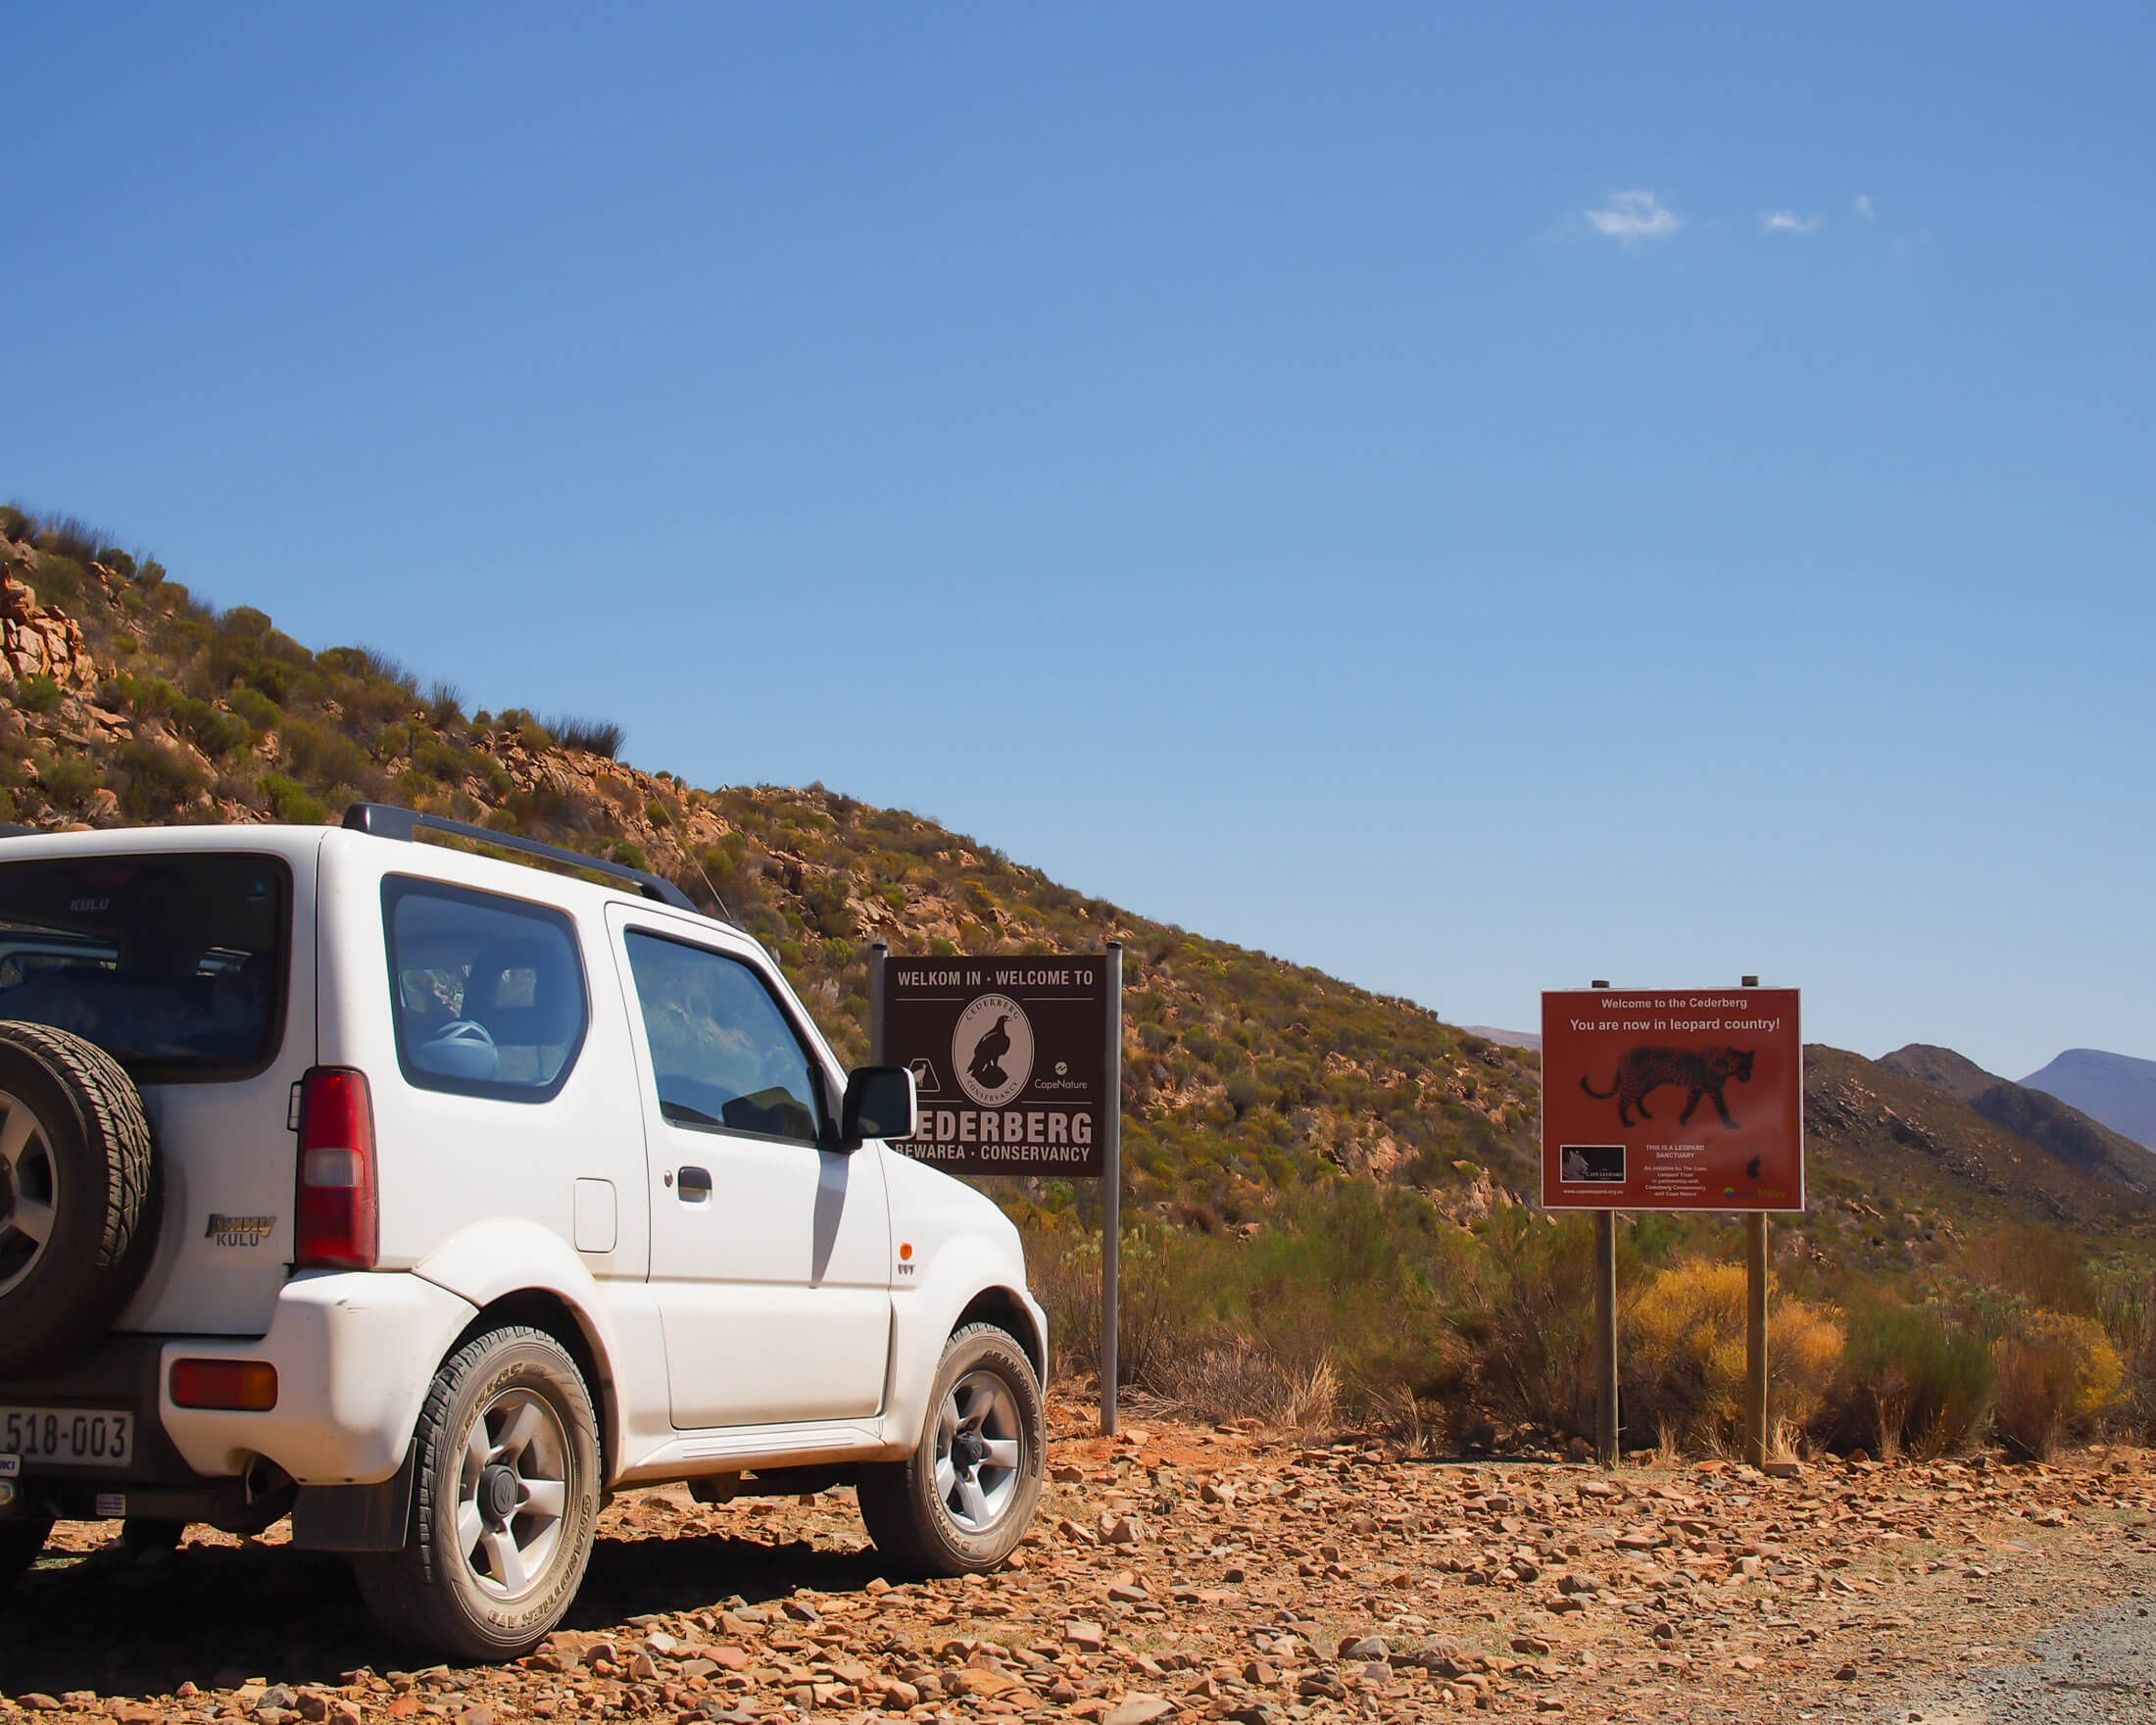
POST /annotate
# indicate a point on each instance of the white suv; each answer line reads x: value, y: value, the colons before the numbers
x: 425, y: 1197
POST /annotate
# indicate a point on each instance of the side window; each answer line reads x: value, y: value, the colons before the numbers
x: 489, y: 991
x: 724, y: 1052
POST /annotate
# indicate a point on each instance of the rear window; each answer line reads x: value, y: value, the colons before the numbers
x: 489, y: 989
x: 175, y: 966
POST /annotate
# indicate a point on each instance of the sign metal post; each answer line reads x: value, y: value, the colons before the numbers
x: 878, y: 953
x: 1111, y: 1209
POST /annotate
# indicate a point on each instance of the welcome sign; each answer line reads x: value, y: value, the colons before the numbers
x: 1010, y: 1059
x: 1673, y: 1098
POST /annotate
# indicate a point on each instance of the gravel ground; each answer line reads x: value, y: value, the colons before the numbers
x: 1189, y: 1574
x: 2098, y: 1669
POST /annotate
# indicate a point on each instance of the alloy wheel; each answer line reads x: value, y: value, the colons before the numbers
x: 980, y: 1451
x: 513, y: 1494
x: 29, y: 1191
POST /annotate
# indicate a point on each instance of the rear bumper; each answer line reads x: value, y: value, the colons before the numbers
x: 355, y: 1355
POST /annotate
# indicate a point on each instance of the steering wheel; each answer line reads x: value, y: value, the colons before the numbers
x: 464, y: 1048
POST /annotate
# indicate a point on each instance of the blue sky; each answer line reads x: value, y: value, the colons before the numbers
x: 1471, y: 503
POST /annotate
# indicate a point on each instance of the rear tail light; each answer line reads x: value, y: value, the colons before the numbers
x: 339, y: 1226
x: 247, y: 1386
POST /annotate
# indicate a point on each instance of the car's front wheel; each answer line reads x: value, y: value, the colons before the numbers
x: 505, y: 1502
x: 962, y: 1501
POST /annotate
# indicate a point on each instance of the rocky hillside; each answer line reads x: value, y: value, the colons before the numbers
x: 125, y: 699
x: 128, y: 700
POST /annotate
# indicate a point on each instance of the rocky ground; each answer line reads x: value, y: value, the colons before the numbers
x: 1180, y: 1572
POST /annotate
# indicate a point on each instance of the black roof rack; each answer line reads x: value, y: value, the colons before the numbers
x: 385, y: 820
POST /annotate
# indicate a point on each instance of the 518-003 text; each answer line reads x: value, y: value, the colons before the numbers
x: 66, y: 1434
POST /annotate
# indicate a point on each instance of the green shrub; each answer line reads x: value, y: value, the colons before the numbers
x: 38, y: 694
x: 15, y: 525
x: 7, y: 804
x: 215, y: 731
x: 157, y: 779
x: 624, y: 852
x: 291, y: 802
x: 1523, y: 1309
x: 262, y: 713
x: 67, y: 778
x: 324, y: 756
x: 59, y: 580
x: 1919, y: 1377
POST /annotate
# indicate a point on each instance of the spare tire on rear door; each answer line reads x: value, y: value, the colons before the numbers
x: 78, y: 1195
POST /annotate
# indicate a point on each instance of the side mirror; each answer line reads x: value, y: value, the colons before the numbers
x: 880, y: 1103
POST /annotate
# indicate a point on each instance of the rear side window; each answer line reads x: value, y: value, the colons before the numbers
x: 174, y: 964
x: 489, y: 991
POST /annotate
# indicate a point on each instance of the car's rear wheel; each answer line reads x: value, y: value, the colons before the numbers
x: 962, y: 1501
x: 78, y: 1198
x: 22, y: 1538
x: 505, y: 1502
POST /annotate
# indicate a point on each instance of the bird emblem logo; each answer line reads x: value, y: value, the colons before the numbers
x: 992, y: 1050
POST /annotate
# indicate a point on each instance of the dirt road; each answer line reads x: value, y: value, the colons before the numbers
x: 1192, y: 1573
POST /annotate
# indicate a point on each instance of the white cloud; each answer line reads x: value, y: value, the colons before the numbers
x: 1864, y: 204
x: 1634, y: 216
x: 1786, y: 222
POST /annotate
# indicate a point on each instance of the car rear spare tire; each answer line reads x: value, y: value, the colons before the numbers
x: 78, y: 1195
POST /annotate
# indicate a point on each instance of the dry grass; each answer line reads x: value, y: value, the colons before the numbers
x: 2058, y: 1374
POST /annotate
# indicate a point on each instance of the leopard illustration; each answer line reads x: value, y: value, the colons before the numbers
x: 1702, y: 1071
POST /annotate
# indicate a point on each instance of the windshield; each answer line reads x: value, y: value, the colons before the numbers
x: 174, y: 964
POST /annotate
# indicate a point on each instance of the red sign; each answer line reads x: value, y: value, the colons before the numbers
x: 1683, y: 1099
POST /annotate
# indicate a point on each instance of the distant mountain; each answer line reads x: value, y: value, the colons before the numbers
x: 1881, y: 1137
x: 2066, y: 1132
x: 2116, y: 1089
x: 1506, y: 1037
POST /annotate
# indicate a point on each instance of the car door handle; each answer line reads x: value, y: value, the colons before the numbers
x: 693, y: 1185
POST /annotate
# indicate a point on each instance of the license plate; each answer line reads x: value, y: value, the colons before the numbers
x: 74, y: 1437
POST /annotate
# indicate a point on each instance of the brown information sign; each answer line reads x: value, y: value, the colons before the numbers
x: 1011, y: 1057
x: 1673, y: 1098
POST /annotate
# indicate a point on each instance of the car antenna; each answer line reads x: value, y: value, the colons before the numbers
x: 714, y: 890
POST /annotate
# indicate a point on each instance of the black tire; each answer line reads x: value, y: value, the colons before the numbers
x: 89, y: 1163
x: 935, y: 1530
x: 22, y: 1538
x: 453, y: 1587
